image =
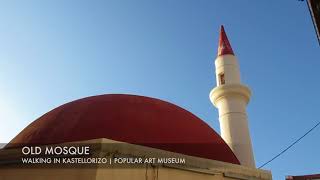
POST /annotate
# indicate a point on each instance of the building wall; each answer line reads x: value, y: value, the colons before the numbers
x: 47, y: 174
x: 194, y: 168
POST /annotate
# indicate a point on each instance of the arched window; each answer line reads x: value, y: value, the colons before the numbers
x: 221, y: 79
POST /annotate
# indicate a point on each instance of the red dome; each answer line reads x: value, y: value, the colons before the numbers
x: 128, y: 118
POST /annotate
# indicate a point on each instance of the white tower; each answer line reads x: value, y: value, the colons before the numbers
x: 231, y: 98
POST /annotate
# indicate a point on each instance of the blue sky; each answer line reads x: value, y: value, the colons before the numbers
x: 52, y: 52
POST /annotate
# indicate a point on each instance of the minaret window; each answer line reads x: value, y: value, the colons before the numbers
x: 221, y: 79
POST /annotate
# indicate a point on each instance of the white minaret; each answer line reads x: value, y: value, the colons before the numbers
x: 231, y: 98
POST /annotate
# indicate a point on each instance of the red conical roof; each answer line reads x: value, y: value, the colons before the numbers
x: 224, y: 45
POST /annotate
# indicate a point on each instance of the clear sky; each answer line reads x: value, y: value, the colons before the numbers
x: 53, y: 52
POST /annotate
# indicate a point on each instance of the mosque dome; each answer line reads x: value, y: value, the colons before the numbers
x: 127, y: 118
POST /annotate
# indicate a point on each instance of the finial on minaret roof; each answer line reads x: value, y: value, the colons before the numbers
x: 224, y: 45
